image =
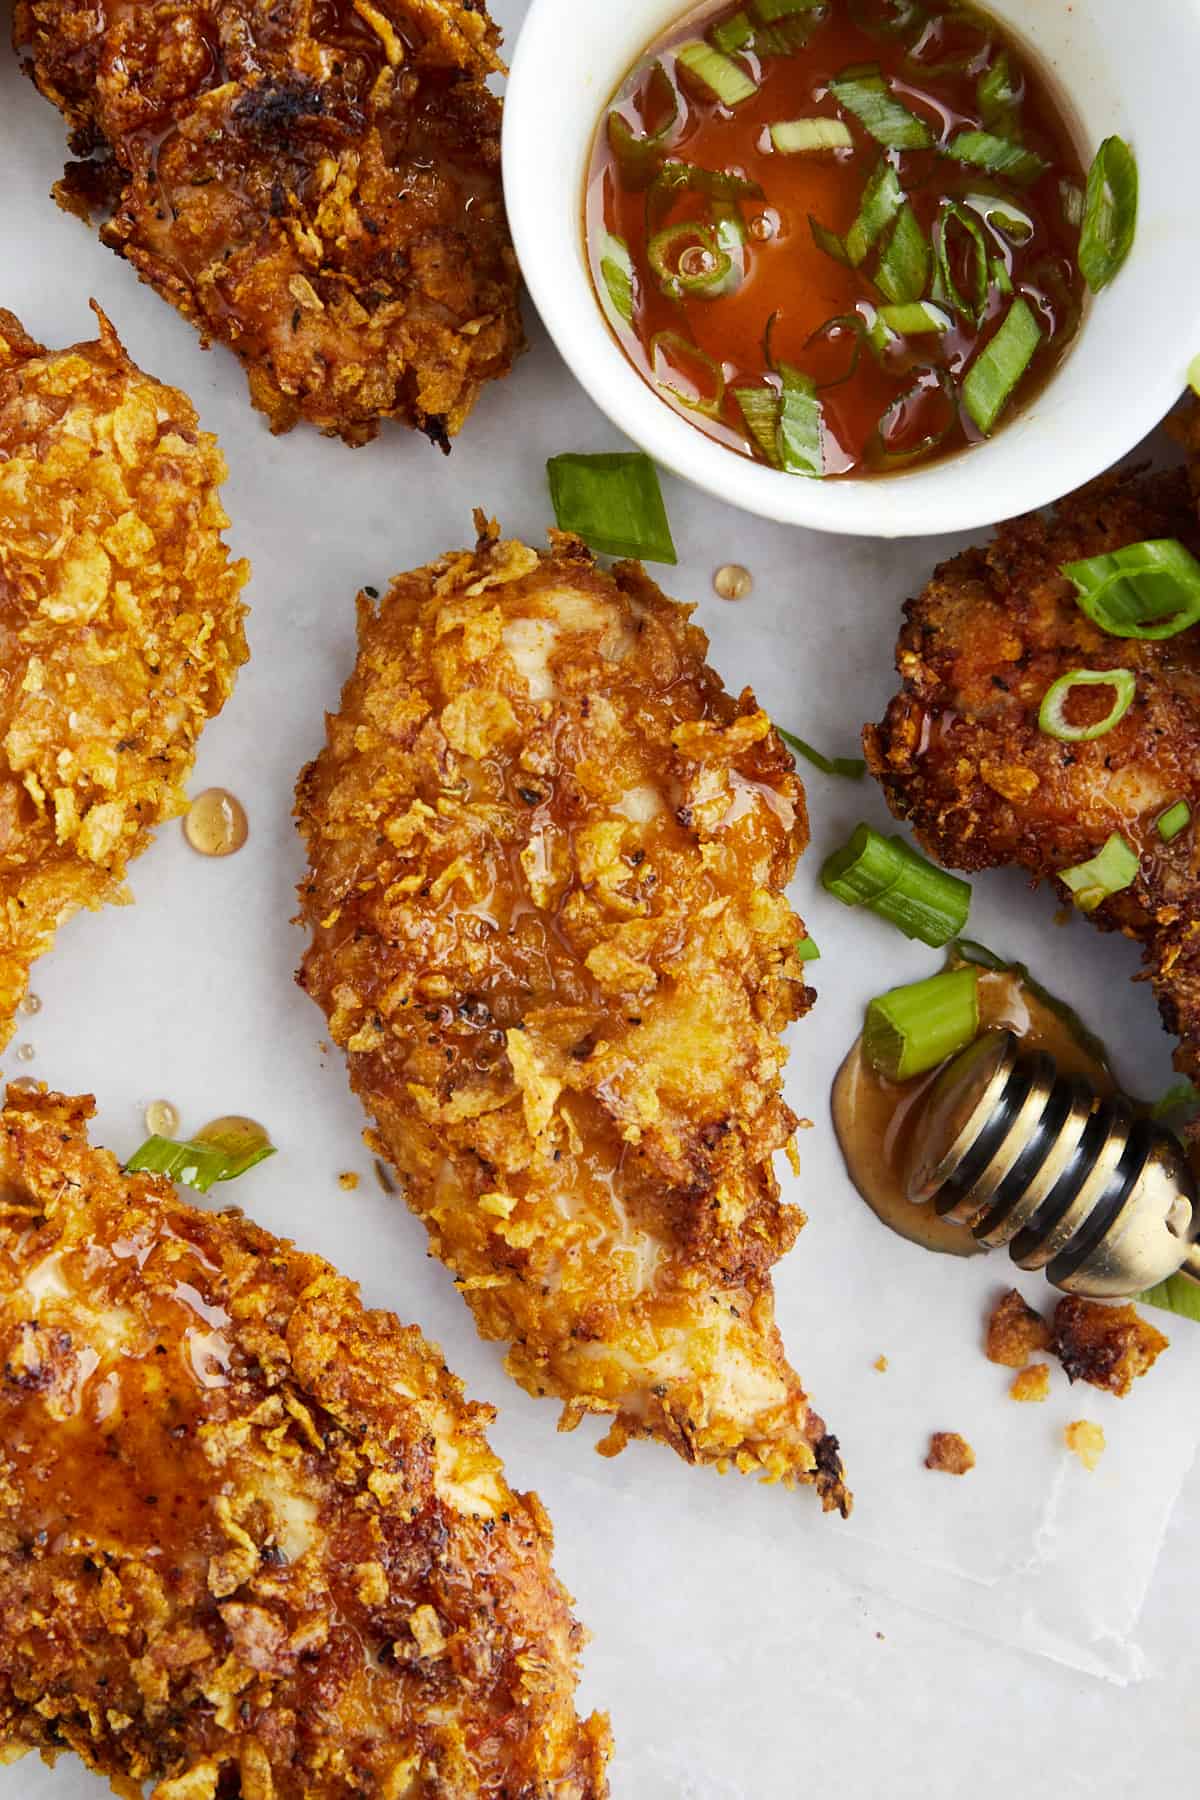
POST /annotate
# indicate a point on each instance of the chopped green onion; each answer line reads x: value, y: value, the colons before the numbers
x: 867, y: 95
x: 668, y: 253
x: 1145, y: 590
x: 807, y: 950
x: 900, y: 885
x: 1177, y: 818
x: 1109, y: 214
x: 1180, y: 1097
x: 906, y: 15
x: 199, y: 1162
x: 760, y: 409
x: 837, y: 326
x: 998, y: 155
x: 912, y: 1029
x: 886, y: 452
x: 998, y: 94
x: 1000, y: 365
x: 1180, y: 1294
x: 945, y: 288
x: 882, y: 200
x: 904, y: 266
x: 771, y: 10
x: 1001, y: 279
x: 619, y: 277
x: 853, y: 767
x: 1052, y: 716
x: 793, y: 136
x: 675, y: 178
x: 1111, y: 869
x: 638, y: 153
x: 1004, y: 216
x: 613, y: 502
x: 1193, y: 375
x: 671, y: 344
x: 1071, y: 196
x: 800, y: 447
x: 725, y: 79
x: 734, y: 34
x: 828, y: 241
x: 917, y: 319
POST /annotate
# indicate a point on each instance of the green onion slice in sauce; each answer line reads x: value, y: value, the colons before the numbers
x: 728, y: 81
x: 791, y: 137
x: 1176, y: 819
x: 613, y: 502
x: 1000, y: 365
x: 1109, y: 213
x: 1112, y: 869
x: 865, y: 94
x: 998, y: 155
x: 903, y: 271
x: 1052, y: 714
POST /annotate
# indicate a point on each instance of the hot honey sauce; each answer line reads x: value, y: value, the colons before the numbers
x: 838, y: 237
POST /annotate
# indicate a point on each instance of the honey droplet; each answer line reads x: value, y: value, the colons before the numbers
x: 31, y: 1004
x: 25, y: 1052
x: 25, y: 1084
x: 215, y: 823
x: 732, y: 581
x: 236, y: 1135
x: 162, y: 1119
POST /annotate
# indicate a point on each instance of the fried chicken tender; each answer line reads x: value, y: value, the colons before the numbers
x: 548, y: 855
x: 960, y: 754
x: 316, y: 186
x: 120, y: 626
x: 252, y: 1538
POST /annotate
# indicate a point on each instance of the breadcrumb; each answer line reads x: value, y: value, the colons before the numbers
x: 949, y: 1453
x: 1106, y: 1346
x: 1086, y: 1440
x: 1015, y: 1332
x: 348, y: 1180
x: 881, y: 1363
x: 1032, y: 1384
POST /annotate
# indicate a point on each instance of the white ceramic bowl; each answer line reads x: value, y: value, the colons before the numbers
x: 1127, y: 68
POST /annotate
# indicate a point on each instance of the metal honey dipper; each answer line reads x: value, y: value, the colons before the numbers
x: 1075, y: 1184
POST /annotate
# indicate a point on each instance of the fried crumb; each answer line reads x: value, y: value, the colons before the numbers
x: 348, y: 1180
x: 1086, y: 1440
x: 531, y: 739
x: 1015, y: 1332
x: 949, y: 1453
x: 880, y: 1363
x: 1032, y: 1384
x: 1106, y: 1346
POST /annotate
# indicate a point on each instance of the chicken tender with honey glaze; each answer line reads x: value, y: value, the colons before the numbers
x: 252, y: 1538
x: 316, y: 185
x: 548, y: 855
x: 960, y: 754
x: 120, y: 626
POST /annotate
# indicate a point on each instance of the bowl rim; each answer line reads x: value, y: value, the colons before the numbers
x: 919, y: 502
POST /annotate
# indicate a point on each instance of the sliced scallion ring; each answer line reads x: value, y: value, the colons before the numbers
x: 900, y: 885
x: 1109, y: 213
x: 801, y: 451
x: 1002, y: 215
x: 956, y: 219
x: 1000, y: 365
x: 668, y: 344
x: 888, y: 18
x: 828, y: 241
x: 903, y: 271
x: 998, y: 94
x: 759, y: 407
x: 1145, y: 590
x: 885, y: 452
x: 792, y: 137
x: 882, y: 200
x: 852, y: 324
x: 198, y: 1163
x: 726, y: 80
x: 639, y: 153
x: 612, y: 501
x: 910, y: 1030
x: 668, y: 254
x: 998, y: 155
x: 917, y: 319
x: 733, y: 34
x: 619, y: 276
x: 866, y: 95
x: 1110, y: 871
x: 1052, y: 716
x: 1177, y: 818
x: 771, y: 11
x: 1071, y: 196
x: 807, y: 950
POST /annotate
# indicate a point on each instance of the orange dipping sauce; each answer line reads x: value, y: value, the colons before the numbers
x: 828, y: 309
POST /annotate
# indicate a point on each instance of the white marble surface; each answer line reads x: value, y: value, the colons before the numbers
x: 744, y: 1645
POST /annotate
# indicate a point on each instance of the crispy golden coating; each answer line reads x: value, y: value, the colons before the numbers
x: 120, y: 626
x: 1106, y: 1346
x: 960, y: 754
x: 1032, y: 1385
x: 949, y: 1454
x: 1086, y: 1440
x: 317, y: 186
x: 252, y: 1538
x: 548, y: 855
x: 1015, y: 1332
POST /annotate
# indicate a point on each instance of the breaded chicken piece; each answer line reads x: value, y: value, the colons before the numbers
x: 252, y: 1538
x: 120, y: 626
x: 960, y: 755
x: 548, y: 855
x: 317, y: 187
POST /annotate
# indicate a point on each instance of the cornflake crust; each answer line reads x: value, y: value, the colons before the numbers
x: 316, y: 187
x: 949, y: 1454
x: 1032, y: 1385
x: 548, y: 856
x: 1015, y: 1332
x: 252, y: 1537
x: 121, y: 624
x: 1086, y: 1441
x: 1106, y: 1346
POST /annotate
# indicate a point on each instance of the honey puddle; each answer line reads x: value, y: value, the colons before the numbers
x: 876, y: 1120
